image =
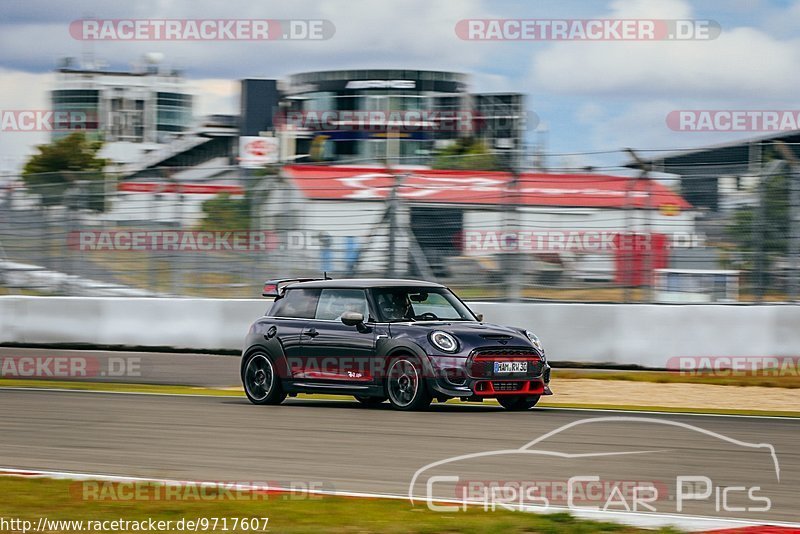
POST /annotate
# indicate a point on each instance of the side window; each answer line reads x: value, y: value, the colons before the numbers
x: 298, y: 303
x: 334, y: 302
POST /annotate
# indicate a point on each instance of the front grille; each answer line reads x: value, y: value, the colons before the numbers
x: 503, y: 351
x: 481, y: 362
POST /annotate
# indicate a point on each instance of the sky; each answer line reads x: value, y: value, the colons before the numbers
x: 589, y: 96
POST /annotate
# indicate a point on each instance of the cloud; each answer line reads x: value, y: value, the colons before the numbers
x: 492, y: 83
x: 409, y: 34
x: 22, y: 91
x: 742, y: 64
x: 647, y: 9
x: 215, y: 96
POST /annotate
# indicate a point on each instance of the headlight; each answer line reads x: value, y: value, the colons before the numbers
x: 444, y: 341
x: 535, y: 341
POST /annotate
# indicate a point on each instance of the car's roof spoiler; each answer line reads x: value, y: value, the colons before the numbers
x: 274, y: 288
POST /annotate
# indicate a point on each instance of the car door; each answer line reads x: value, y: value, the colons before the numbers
x: 292, y: 314
x: 332, y: 351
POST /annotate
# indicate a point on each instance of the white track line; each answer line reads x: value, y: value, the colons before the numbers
x: 646, y: 520
x: 540, y: 409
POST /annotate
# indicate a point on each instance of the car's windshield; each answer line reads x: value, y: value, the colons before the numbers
x: 400, y: 304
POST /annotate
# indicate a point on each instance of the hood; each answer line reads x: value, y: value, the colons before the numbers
x: 471, y: 335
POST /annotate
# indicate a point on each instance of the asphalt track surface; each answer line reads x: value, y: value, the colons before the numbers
x: 139, y: 367
x: 342, y: 446
x: 346, y: 447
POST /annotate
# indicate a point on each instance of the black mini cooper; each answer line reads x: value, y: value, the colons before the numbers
x: 402, y: 340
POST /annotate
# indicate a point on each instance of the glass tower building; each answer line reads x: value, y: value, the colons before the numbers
x: 149, y: 105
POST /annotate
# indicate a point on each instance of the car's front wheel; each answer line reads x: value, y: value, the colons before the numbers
x: 405, y: 385
x: 517, y: 404
x: 262, y: 385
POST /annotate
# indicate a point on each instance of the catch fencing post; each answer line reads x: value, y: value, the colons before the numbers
x: 793, y: 250
x: 647, y: 269
x: 758, y: 231
x: 514, y: 264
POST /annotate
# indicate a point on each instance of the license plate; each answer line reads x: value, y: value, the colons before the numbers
x: 510, y: 367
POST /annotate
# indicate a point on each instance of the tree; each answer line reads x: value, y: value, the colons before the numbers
x: 763, y: 231
x: 223, y: 214
x: 64, y: 164
x: 772, y: 233
x: 468, y: 154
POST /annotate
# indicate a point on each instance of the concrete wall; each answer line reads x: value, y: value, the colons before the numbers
x: 157, y: 322
x: 646, y: 335
x: 651, y: 334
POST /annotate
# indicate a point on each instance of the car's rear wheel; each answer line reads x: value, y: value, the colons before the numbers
x: 262, y: 385
x: 518, y: 404
x: 405, y: 385
x: 370, y: 401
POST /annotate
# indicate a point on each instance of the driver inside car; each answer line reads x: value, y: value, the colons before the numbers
x: 396, y: 306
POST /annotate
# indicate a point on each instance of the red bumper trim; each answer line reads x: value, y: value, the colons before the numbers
x: 485, y: 388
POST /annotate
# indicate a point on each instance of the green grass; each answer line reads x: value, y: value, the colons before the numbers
x: 61, y: 499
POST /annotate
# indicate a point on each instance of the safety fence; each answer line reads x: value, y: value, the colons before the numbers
x: 636, y: 227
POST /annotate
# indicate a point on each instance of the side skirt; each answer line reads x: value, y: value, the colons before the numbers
x: 334, y: 388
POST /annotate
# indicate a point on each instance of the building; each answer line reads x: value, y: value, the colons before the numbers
x: 372, y: 115
x: 503, y: 119
x: 258, y: 104
x: 148, y: 104
x: 448, y: 222
x: 723, y: 177
x: 145, y: 117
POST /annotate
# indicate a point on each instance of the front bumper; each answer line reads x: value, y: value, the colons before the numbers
x: 475, y: 378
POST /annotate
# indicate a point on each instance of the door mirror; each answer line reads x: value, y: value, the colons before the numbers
x: 352, y: 318
x: 480, y: 317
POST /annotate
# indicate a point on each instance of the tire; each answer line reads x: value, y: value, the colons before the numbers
x: 518, y: 404
x: 261, y: 384
x: 371, y: 402
x: 405, y: 385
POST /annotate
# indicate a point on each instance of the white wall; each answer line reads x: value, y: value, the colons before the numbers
x: 650, y: 334
x: 178, y: 323
x: 541, y: 221
x: 340, y: 220
x: 643, y: 334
